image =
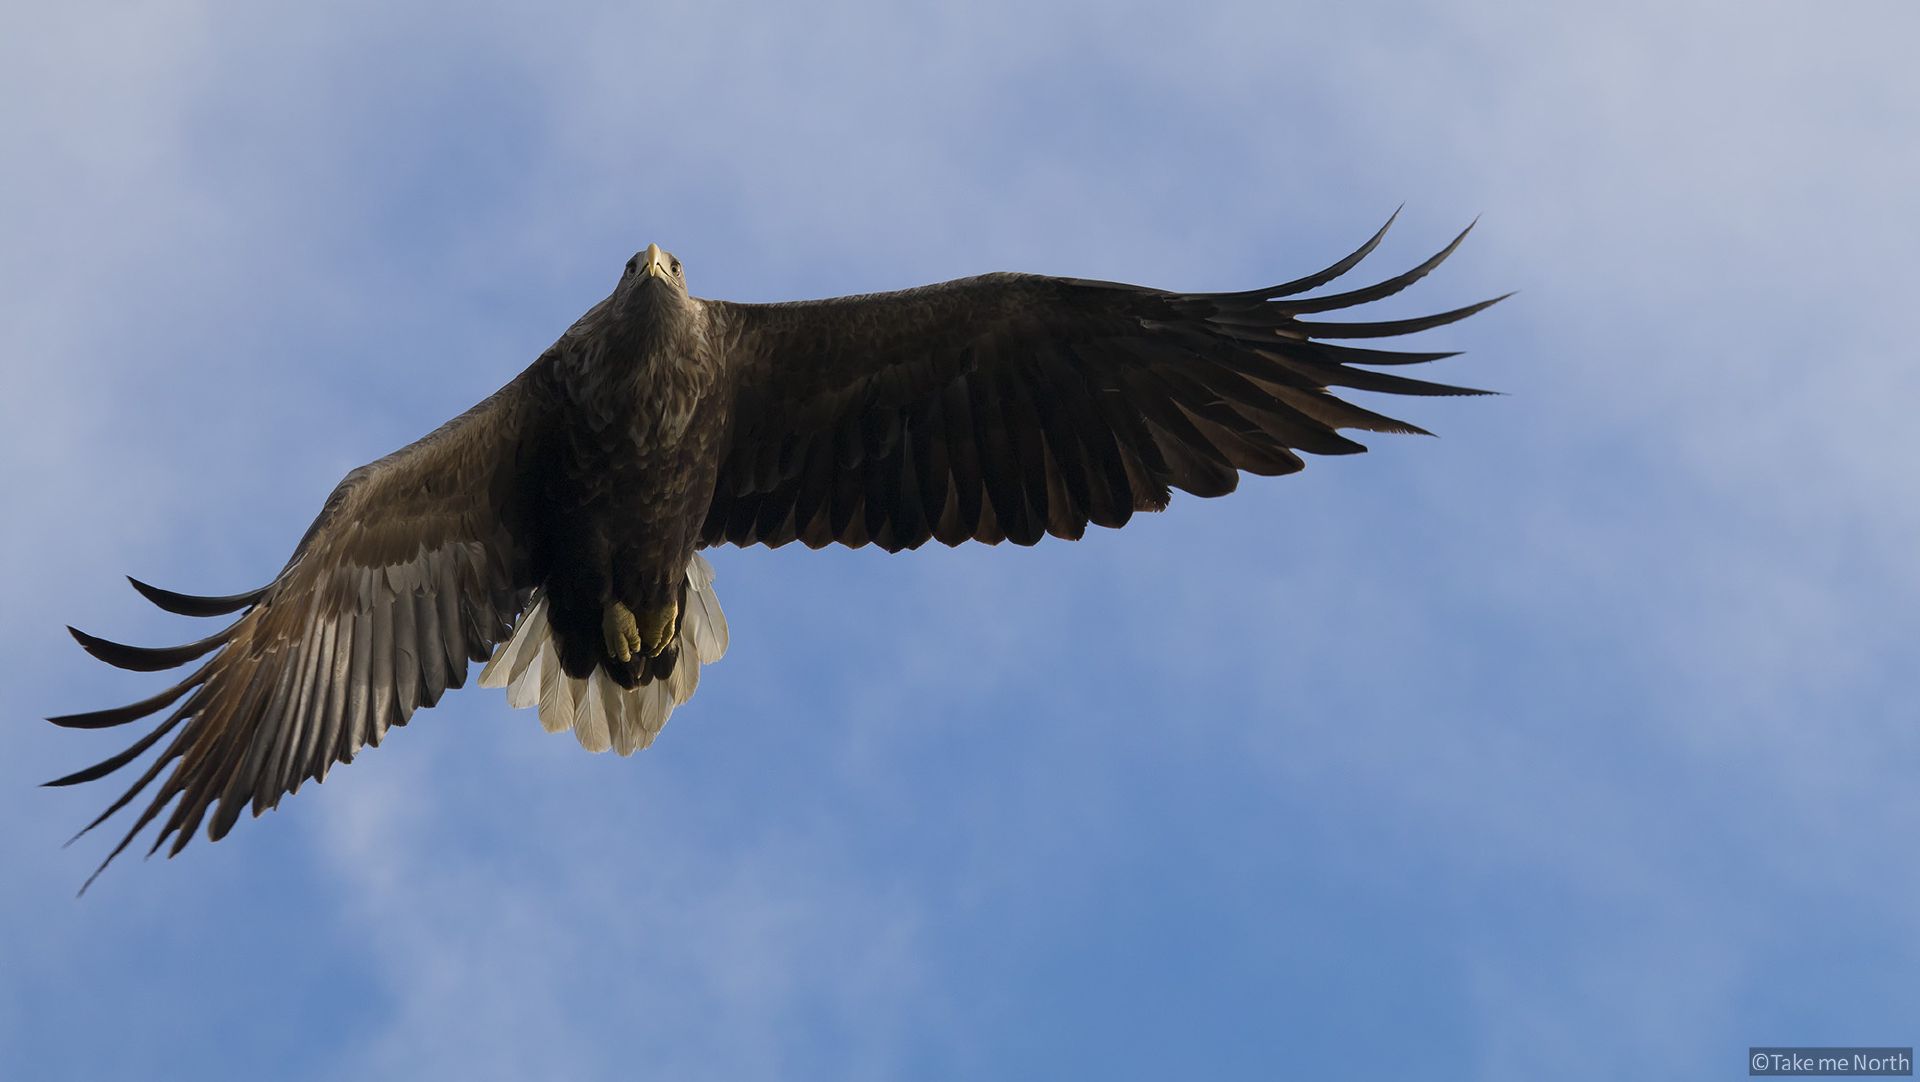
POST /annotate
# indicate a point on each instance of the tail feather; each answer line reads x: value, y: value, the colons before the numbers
x: 601, y: 714
x: 556, y: 702
x: 589, y: 712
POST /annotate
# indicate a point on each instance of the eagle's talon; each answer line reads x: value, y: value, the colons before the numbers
x: 622, y: 634
x: 658, y: 633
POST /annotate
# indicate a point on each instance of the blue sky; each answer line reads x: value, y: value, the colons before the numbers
x: 1578, y: 742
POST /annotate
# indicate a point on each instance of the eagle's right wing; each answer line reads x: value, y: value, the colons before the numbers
x: 417, y: 563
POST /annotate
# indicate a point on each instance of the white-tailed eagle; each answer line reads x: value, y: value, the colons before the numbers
x: 554, y: 530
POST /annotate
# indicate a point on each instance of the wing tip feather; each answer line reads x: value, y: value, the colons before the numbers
x: 195, y: 604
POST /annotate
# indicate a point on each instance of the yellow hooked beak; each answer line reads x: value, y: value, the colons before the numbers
x: 657, y: 264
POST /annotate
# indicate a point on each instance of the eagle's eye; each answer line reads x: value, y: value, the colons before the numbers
x: 632, y: 265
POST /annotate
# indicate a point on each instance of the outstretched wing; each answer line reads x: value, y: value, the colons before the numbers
x: 417, y: 564
x: 1010, y: 406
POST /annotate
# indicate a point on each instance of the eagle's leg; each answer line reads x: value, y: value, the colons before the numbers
x: 645, y: 635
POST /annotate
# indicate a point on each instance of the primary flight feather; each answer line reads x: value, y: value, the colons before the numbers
x: 554, y: 530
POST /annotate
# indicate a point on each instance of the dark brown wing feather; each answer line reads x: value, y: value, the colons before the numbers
x: 417, y: 564
x: 1013, y: 406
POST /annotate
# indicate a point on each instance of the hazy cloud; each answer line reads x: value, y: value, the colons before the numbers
x: 1574, y: 742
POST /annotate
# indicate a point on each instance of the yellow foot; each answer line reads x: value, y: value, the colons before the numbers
x: 623, y: 636
x: 656, y: 627
x: 646, y: 636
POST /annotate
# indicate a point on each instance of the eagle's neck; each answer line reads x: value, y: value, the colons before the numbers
x: 658, y: 365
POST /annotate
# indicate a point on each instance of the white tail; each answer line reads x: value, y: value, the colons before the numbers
x: 600, y: 712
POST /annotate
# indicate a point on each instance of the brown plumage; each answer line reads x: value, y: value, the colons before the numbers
x: 555, y: 526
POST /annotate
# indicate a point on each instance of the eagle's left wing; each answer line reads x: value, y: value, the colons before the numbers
x: 1012, y: 406
x: 417, y: 563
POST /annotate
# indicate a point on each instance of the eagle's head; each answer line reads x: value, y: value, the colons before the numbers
x: 654, y: 274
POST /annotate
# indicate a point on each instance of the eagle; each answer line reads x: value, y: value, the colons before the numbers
x: 555, y: 531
